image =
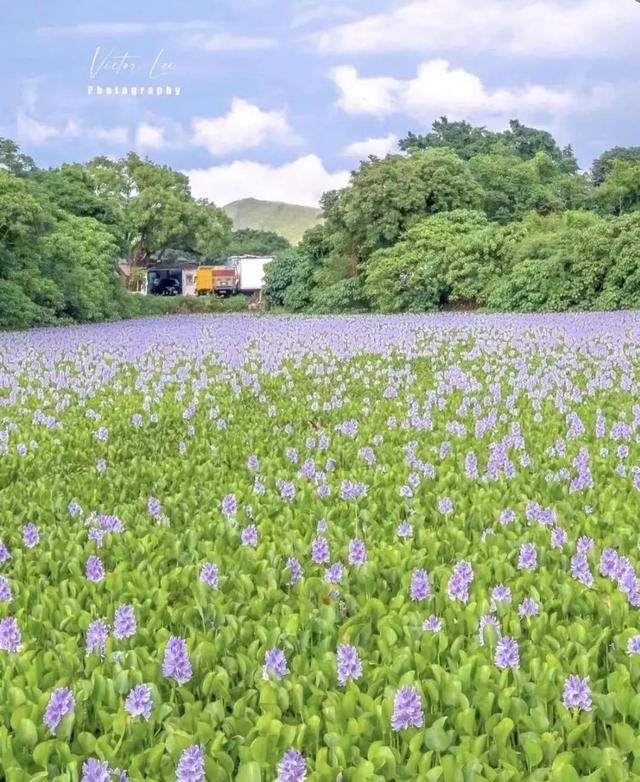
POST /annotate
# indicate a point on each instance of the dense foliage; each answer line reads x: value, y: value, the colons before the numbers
x: 63, y: 231
x: 464, y: 217
x: 370, y: 549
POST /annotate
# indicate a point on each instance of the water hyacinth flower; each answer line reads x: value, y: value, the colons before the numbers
x: 432, y: 624
x: 275, y: 665
x: 94, y: 569
x: 500, y: 594
x: 559, y: 537
x: 577, y: 693
x: 209, y: 575
x: 420, y: 585
x: 4, y: 552
x: 404, y: 530
x: 291, y: 767
x: 459, y: 581
x: 97, y: 634
x: 320, y: 551
x: 580, y: 569
x: 407, y: 709
x: 633, y: 645
x: 176, y: 664
x: 191, y: 765
x: 139, y: 702
x: 154, y: 507
x: 609, y: 563
x: 507, y: 654
x: 229, y: 505
x: 334, y: 574
x: 124, y: 622
x: 445, y: 505
x: 507, y: 516
x: 5, y: 590
x: 30, y: 535
x: 348, y: 664
x: 528, y: 557
x: 61, y: 703
x: 10, y: 637
x: 357, y: 552
x: 528, y: 607
x: 94, y: 770
x: 295, y: 569
x: 249, y: 536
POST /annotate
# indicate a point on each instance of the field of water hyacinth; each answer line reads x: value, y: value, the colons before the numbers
x: 359, y: 548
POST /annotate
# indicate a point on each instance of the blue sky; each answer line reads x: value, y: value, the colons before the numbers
x: 281, y: 98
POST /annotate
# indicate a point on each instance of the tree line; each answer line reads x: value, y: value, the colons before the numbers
x: 64, y: 230
x: 463, y: 217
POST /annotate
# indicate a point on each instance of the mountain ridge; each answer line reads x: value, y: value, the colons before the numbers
x: 288, y: 220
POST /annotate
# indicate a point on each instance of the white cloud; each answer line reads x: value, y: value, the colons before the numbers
x: 117, y: 136
x: 371, y: 146
x: 536, y: 28
x: 122, y: 28
x: 150, y: 136
x: 32, y: 131
x: 245, y: 126
x: 227, y: 42
x: 440, y: 89
x: 302, y: 181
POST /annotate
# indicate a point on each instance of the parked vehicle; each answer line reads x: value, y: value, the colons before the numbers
x: 220, y: 280
x: 250, y: 271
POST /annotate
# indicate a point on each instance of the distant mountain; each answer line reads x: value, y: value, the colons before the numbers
x: 289, y: 220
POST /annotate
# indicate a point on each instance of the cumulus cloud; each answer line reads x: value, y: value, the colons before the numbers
x: 440, y: 89
x: 371, y: 146
x: 245, y: 126
x: 303, y: 181
x: 536, y: 28
x: 150, y: 136
x: 227, y: 42
x: 30, y: 130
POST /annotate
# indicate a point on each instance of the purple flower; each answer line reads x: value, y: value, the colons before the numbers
x: 94, y: 569
x: 10, y: 638
x: 558, y: 537
x: 176, y: 664
x: 404, y: 530
x: 320, y: 551
x: 445, y: 505
x: 528, y: 607
x: 577, y: 693
x: 4, y: 552
x: 229, y: 505
x: 333, y: 574
x: 191, y: 765
x: 296, y: 570
x: 94, y: 770
x: 584, y: 545
x: 507, y: 654
x: 528, y: 557
x: 407, y: 709
x: 580, y: 569
x: 154, y: 507
x: 97, y: 634
x: 291, y: 768
x: 609, y: 563
x: 459, y: 581
x: 60, y: 704
x: 633, y: 645
x: 5, y: 590
x: 420, y: 586
x: 139, y: 702
x: 252, y: 463
x: 101, y: 465
x: 357, y: 552
x: 487, y: 620
x: 500, y: 594
x: 432, y: 624
x: 124, y: 622
x: 507, y: 517
x: 275, y: 665
x: 348, y: 664
x: 209, y: 575
x: 30, y: 535
x: 249, y: 536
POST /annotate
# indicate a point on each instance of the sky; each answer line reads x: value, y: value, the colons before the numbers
x: 281, y: 99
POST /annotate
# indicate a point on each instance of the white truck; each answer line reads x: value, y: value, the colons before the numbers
x: 250, y: 271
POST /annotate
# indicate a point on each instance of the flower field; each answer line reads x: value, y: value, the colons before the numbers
x: 365, y: 548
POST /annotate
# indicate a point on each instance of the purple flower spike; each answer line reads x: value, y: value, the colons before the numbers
x: 275, y: 665
x: 577, y: 693
x: 191, y: 765
x: 176, y: 664
x: 348, y: 664
x: 139, y: 702
x: 94, y: 770
x: 292, y: 767
x: 94, y: 569
x: 420, y: 586
x: 60, y: 704
x: 507, y: 653
x: 10, y: 638
x: 407, y: 709
x: 124, y: 623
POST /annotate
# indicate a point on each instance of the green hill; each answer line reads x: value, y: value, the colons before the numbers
x: 289, y: 220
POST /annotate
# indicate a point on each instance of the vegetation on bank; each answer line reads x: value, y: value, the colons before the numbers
x: 461, y: 217
x: 466, y: 218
